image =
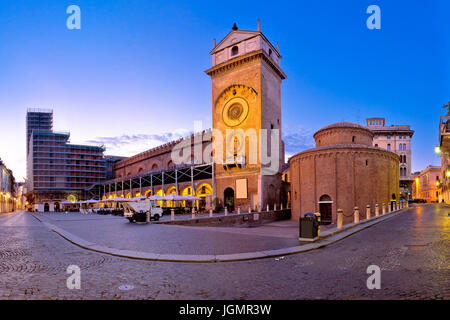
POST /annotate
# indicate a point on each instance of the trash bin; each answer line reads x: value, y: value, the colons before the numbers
x: 309, y: 227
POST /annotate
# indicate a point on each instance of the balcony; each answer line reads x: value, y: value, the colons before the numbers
x: 444, y: 133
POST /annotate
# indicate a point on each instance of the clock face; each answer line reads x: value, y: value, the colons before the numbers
x: 235, y: 111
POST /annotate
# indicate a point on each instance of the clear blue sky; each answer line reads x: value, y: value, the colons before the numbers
x: 134, y: 73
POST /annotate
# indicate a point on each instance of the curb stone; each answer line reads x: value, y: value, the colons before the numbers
x: 325, y: 240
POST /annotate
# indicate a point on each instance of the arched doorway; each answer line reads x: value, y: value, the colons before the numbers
x: 325, y: 209
x: 228, y: 199
x: 203, y: 191
x: 46, y: 207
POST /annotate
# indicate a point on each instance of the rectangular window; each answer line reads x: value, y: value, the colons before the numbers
x: 389, y: 147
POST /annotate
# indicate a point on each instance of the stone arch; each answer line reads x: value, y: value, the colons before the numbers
x: 187, y: 191
x: 171, y: 190
x: 204, y: 189
x: 228, y: 198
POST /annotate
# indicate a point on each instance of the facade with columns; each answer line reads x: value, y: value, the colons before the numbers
x: 8, y: 200
x: 246, y: 117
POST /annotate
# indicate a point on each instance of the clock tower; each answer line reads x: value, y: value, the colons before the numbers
x: 246, y: 119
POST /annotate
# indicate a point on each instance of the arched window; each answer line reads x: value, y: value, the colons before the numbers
x: 154, y: 166
x: 234, y: 51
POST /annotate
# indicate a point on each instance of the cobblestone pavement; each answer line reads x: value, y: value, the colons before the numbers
x: 412, y: 250
x: 117, y: 232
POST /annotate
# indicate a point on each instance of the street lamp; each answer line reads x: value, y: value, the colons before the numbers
x: 437, y: 149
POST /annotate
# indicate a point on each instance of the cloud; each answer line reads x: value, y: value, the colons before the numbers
x: 128, y: 145
x: 297, y: 139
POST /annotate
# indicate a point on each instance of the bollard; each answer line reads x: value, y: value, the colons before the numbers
x: 383, y: 209
x: 377, y: 211
x: 267, y: 207
x: 226, y: 211
x: 172, y: 214
x: 281, y: 206
x: 356, y: 215
x: 239, y: 209
x: 249, y: 209
x: 368, y: 211
x: 340, y: 218
x: 275, y: 207
x: 210, y: 212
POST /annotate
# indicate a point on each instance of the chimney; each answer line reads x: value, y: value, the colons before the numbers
x: 258, y: 28
x: 278, y: 47
x: 214, y: 43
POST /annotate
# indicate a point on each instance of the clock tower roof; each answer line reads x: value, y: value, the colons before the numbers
x: 242, y: 42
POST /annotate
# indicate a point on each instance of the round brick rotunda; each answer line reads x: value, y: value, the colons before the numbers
x: 343, y: 171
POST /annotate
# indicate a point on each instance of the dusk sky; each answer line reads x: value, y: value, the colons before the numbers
x: 133, y: 76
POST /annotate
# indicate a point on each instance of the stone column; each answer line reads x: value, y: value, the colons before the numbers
x: 377, y: 211
x: 368, y: 211
x: 340, y: 218
x: 356, y: 215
